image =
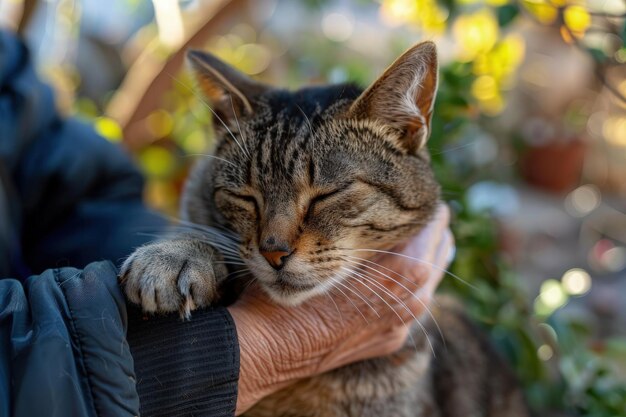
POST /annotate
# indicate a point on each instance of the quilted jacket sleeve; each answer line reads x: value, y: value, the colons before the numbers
x: 63, y: 350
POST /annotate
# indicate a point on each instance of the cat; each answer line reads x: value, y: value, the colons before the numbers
x: 297, y: 180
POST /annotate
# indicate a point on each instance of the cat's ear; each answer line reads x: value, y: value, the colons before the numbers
x: 404, y: 96
x: 230, y: 92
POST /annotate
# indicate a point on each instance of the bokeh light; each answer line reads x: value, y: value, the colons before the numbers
x: 426, y: 15
x: 577, y: 19
x: 337, y: 27
x: 160, y: 123
x: 614, y: 259
x: 157, y: 161
x: 544, y: 11
x: 476, y: 33
x: 583, y: 200
x: 108, y: 128
x: 613, y: 130
x: 545, y: 352
x: 397, y: 12
x: 576, y: 281
x: 551, y: 297
x: 169, y: 22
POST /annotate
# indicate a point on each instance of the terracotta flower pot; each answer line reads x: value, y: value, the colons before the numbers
x: 556, y: 167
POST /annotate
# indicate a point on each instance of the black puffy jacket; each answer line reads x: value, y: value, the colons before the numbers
x: 69, y: 344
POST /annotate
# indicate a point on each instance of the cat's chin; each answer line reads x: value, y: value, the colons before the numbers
x: 290, y: 294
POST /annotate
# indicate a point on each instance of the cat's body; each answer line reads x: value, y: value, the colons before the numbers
x: 306, y: 180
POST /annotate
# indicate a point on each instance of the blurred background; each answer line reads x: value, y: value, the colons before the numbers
x: 529, y: 140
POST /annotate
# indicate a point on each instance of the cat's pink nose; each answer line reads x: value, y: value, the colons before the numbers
x: 276, y: 258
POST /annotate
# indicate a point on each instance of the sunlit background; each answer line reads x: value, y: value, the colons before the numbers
x: 529, y: 140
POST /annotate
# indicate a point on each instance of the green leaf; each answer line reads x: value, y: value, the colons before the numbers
x: 506, y: 14
x: 597, y: 54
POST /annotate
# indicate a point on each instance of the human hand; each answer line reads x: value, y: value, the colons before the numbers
x: 368, y: 316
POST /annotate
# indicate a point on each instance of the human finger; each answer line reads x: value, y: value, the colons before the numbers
x: 413, y: 265
x: 425, y: 244
x: 443, y: 256
x: 414, y: 304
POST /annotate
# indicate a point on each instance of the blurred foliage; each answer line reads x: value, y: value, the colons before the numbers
x: 559, y: 369
x: 562, y: 369
x: 552, y: 357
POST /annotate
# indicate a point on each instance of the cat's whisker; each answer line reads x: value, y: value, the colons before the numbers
x: 438, y: 268
x: 413, y: 295
x: 360, y: 260
x: 224, y: 248
x: 363, y: 263
x: 404, y: 323
x: 397, y: 299
x: 217, y: 230
x: 307, y: 120
x: 215, y: 235
x: 250, y: 283
x: 207, y: 227
x: 358, y: 294
x: 243, y: 138
x: 240, y: 271
x: 403, y: 304
x: 455, y: 148
x: 153, y: 235
x: 208, y: 232
x: 230, y: 254
x: 231, y: 250
x: 209, y: 107
x: 394, y: 297
x: 236, y: 274
x: 228, y: 263
x: 334, y: 287
x: 312, y: 129
x: 212, y: 156
x: 356, y: 275
x: 211, y: 236
x: 335, y: 304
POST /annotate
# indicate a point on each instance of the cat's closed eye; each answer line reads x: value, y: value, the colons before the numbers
x: 324, y: 197
x: 245, y: 201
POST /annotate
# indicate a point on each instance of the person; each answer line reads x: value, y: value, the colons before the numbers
x: 70, y: 345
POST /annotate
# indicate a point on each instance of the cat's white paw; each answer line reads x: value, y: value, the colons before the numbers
x: 169, y: 276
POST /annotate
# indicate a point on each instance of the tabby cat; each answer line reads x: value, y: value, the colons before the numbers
x: 299, y: 178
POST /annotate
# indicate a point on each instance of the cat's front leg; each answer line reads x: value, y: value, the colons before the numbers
x: 180, y: 273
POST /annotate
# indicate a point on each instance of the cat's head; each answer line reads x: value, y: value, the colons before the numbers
x: 309, y: 178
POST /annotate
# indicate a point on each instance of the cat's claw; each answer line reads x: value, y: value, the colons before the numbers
x: 168, y: 276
